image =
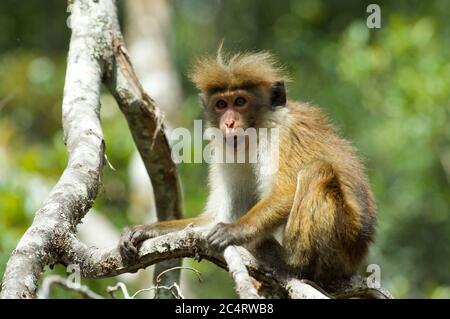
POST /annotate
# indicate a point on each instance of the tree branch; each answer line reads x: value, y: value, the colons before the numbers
x: 76, y: 190
x: 191, y: 242
x: 298, y: 289
x: 242, y: 279
x: 49, y: 281
x: 145, y: 121
x: 96, y: 53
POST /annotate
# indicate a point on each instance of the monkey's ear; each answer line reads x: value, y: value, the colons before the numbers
x: 202, y: 99
x: 278, y: 94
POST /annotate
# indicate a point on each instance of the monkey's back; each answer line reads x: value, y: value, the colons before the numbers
x: 318, y: 141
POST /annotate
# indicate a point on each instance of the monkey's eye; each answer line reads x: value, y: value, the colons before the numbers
x: 240, y: 101
x: 221, y: 104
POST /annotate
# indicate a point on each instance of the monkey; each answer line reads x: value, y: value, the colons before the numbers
x: 317, y: 205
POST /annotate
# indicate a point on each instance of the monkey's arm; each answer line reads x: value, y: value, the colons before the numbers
x: 133, y: 236
x: 259, y: 221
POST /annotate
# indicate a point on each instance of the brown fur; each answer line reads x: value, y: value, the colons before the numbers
x: 321, y: 193
x: 333, y: 222
x: 238, y: 71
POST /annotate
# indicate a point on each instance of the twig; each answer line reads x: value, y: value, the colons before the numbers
x: 175, y: 285
x: 196, y: 272
x: 122, y: 287
x: 119, y: 286
x: 177, y: 294
x: 49, y: 281
x: 109, y: 163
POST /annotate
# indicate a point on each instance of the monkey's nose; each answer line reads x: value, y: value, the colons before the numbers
x: 229, y: 123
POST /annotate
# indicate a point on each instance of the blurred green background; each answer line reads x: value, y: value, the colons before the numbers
x: 387, y: 89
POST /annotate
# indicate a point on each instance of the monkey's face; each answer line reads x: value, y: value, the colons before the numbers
x: 232, y: 112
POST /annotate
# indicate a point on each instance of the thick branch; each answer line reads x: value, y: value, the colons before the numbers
x: 145, y: 121
x: 92, y: 24
x: 242, y: 279
x: 298, y: 289
x: 96, y: 53
x: 152, y: 60
x: 190, y: 242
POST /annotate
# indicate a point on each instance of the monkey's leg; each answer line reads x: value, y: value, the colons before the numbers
x: 322, y: 227
x: 133, y: 236
x: 269, y: 250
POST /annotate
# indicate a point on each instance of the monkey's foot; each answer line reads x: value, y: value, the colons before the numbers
x: 130, y: 241
x: 223, y: 235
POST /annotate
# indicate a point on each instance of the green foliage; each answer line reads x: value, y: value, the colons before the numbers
x: 386, y: 89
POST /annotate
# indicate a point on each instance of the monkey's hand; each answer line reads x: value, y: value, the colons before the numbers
x: 131, y: 239
x: 223, y: 235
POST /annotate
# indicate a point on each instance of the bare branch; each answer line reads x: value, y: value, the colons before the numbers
x: 298, y: 289
x: 92, y: 24
x: 119, y: 286
x: 191, y: 242
x: 243, y: 281
x: 145, y: 121
x: 49, y: 281
x: 96, y: 53
x: 165, y: 272
x: 173, y: 289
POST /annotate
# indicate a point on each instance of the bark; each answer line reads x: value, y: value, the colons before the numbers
x: 96, y: 53
x: 190, y: 242
x: 76, y: 190
x: 145, y: 122
x: 148, y: 27
x: 49, y: 281
x: 237, y: 268
x: 300, y: 290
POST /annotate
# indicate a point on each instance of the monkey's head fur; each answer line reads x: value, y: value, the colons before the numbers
x: 240, y: 70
